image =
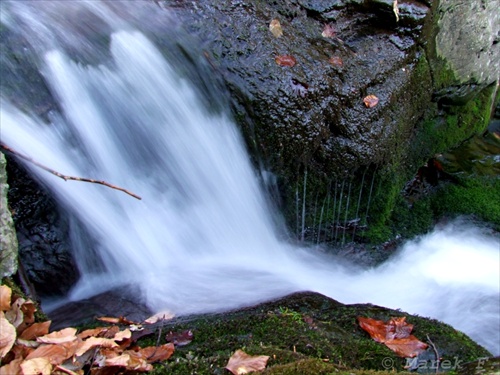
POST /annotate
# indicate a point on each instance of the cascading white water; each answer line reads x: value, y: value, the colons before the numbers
x: 202, y: 239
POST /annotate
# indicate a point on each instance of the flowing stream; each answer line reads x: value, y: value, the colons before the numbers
x: 202, y: 237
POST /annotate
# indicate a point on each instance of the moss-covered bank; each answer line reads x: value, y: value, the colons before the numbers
x: 307, y: 333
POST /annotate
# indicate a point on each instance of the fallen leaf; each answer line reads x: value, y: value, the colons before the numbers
x: 370, y: 101
x: 35, y: 330
x: 12, y: 368
x: 58, y: 337
x: 328, y: 31
x: 285, y: 60
x: 57, y: 354
x: 110, y: 332
x: 275, y: 28
x: 122, y: 335
x: 137, y: 362
x: 37, y: 366
x: 92, y: 342
x: 157, y: 353
x: 21, y: 351
x: 408, y: 347
x: 28, y: 308
x: 7, y: 336
x: 335, y: 60
x: 91, y: 332
x: 28, y: 343
x: 119, y: 320
x: 162, y: 315
x: 180, y: 338
x: 5, y: 297
x: 120, y: 360
x: 242, y: 363
x: 395, y: 334
x: 15, y: 315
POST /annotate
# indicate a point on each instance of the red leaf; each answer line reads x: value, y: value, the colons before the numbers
x: 180, y: 338
x: 285, y: 60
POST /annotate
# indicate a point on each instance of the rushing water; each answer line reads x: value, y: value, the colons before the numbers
x: 202, y: 238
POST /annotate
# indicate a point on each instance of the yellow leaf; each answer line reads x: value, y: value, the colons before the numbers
x: 242, y: 363
x: 7, y: 336
x: 5, y: 296
x: 58, y: 337
x: 37, y: 366
x: 275, y: 28
x: 92, y: 342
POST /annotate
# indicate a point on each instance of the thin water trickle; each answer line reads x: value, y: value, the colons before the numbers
x: 202, y: 238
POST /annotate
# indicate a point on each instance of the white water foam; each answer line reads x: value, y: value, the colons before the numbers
x: 202, y: 239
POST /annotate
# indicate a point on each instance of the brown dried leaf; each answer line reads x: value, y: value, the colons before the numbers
x: 5, y: 297
x: 156, y: 354
x: 122, y: 335
x: 407, y: 347
x: 370, y: 101
x: 7, y: 336
x: 28, y: 343
x: 119, y: 320
x: 180, y: 338
x: 21, y: 351
x: 110, y: 332
x: 37, y: 366
x: 35, y: 330
x: 395, y: 334
x: 12, y: 368
x: 285, y: 60
x: 120, y: 360
x: 28, y: 308
x: 92, y: 342
x: 58, y: 337
x: 242, y: 363
x: 137, y: 362
x: 15, y: 315
x: 57, y: 354
x: 162, y: 315
x: 275, y: 28
x: 91, y: 332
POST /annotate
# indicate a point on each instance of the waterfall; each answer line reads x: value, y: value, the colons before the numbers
x: 202, y: 237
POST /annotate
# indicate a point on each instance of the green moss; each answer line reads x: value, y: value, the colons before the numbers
x: 305, y: 333
x: 473, y: 196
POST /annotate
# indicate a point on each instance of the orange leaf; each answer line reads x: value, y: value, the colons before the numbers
x: 5, y: 297
x: 242, y: 363
x: 38, y: 366
x: 275, y: 28
x: 92, y: 342
x: 35, y: 330
x: 15, y: 315
x: 370, y: 101
x: 407, y: 347
x: 12, y: 368
x: 122, y: 335
x: 395, y: 334
x: 137, y: 362
x: 119, y: 320
x: 285, y: 60
x: 7, y: 335
x: 156, y: 354
x: 28, y: 308
x: 58, y: 337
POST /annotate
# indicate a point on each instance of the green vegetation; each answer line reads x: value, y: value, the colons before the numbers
x: 305, y: 333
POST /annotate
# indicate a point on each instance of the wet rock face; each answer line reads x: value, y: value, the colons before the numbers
x: 44, y: 250
x: 8, y: 240
x: 313, y: 113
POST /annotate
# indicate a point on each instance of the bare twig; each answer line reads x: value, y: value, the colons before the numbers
x: 64, y: 177
x: 435, y: 353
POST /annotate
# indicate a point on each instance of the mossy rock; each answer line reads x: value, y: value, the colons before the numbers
x: 305, y: 333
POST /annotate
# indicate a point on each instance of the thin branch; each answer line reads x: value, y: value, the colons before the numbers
x: 65, y: 177
x: 435, y: 353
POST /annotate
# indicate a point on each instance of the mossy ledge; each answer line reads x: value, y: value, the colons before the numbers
x: 305, y: 333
